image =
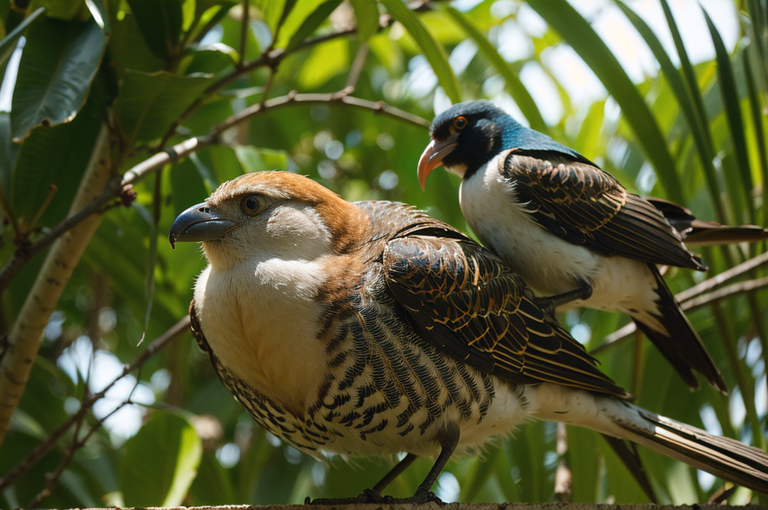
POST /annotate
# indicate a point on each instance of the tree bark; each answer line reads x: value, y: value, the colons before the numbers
x: 24, y: 338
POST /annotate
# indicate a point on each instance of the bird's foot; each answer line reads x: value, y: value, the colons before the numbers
x: 422, y: 496
x: 367, y: 496
x: 583, y: 293
x: 373, y: 496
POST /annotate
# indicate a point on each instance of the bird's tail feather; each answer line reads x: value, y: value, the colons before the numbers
x: 680, y: 343
x: 721, y: 456
x: 706, y: 233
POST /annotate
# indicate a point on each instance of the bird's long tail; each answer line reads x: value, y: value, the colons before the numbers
x: 677, y: 340
x: 706, y: 233
x: 721, y: 456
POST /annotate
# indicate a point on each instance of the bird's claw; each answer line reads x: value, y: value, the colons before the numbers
x: 367, y: 496
x: 374, y: 496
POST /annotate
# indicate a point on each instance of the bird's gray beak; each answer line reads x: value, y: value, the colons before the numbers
x: 433, y: 155
x: 200, y: 223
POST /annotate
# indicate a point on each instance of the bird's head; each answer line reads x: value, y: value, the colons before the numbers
x: 464, y: 138
x: 269, y: 215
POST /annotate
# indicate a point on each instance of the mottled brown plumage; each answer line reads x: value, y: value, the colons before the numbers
x: 371, y: 328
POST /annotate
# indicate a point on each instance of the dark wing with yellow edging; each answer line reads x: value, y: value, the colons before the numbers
x: 586, y: 206
x: 467, y: 302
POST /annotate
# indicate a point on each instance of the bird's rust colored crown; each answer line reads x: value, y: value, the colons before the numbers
x: 345, y: 221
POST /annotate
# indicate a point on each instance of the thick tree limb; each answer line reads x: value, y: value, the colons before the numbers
x: 24, y: 338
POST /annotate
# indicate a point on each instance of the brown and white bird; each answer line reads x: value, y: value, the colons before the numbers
x: 370, y: 328
x: 571, y: 230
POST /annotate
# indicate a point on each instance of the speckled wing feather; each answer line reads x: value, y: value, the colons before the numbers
x: 464, y: 300
x: 584, y: 205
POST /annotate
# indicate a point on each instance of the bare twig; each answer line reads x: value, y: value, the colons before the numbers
x: 724, y: 292
x: 341, y: 97
x: 51, y: 479
x: 39, y: 451
x: 113, y: 189
x: 357, y: 67
x: 719, y: 279
x: 273, y: 57
x: 268, y: 85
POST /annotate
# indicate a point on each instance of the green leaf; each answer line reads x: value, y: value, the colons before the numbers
x: 212, y: 486
x: 8, y: 44
x: 367, y: 18
x: 757, y: 122
x: 513, y: 84
x: 57, y: 67
x: 326, y: 61
x: 432, y: 51
x: 695, y: 116
x: 273, y: 11
x: 160, y: 23
x: 256, y: 160
x: 150, y: 102
x: 160, y: 462
x: 54, y: 156
x: 579, y: 34
x: 303, y: 20
x: 733, y: 113
x: 65, y: 10
x: 8, y: 152
x: 187, y: 186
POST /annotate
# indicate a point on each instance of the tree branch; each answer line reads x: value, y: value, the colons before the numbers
x: 114, y: 188
x: 341, y: 97
x: 44, y: 447
x: 685, y: 297
x: 24, y: 338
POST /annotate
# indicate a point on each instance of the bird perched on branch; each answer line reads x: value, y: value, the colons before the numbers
x: 571, y: 230
x: 371, y: 328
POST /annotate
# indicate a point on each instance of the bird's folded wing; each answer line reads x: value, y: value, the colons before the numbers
x: 584, y: 205
x: 465, y: 301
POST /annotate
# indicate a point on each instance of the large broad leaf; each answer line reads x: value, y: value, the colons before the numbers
x: 686, y: 98
x: 150, y: 102
x: 325, y: 62
x: 513, y: 84
x: 57, y: 157
x: 8, y: 152
x: 8, y: 44
x: 590, y: 47
x: 160, y: 462
x: 367, y: 18
x: 303, y: 20
x: 160, y: 23
x: 733, y: 114
x: 433, y: 51
x: 274, y: 11
x: 57, y: 67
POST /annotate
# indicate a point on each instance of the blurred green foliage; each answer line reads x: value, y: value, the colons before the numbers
x: 161, y: 72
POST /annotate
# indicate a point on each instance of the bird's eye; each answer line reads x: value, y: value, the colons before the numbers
x: 460, y: 122
x: 252, y: 204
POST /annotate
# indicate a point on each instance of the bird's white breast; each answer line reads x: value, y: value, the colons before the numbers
x: 549, y: 264
x: 260, y: 319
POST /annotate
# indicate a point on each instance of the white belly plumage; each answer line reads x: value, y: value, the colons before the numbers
x: 549, y: 264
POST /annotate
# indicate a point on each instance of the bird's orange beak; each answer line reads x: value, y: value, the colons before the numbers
x: 433, y: 155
